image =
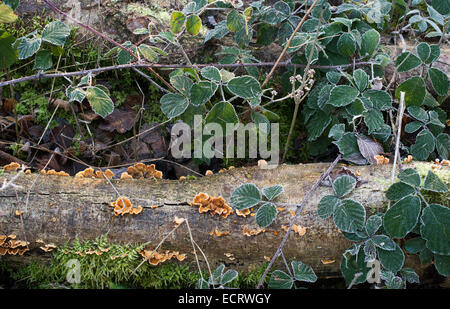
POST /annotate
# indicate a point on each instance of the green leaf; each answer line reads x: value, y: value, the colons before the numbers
x: 398, y: 191
x: 342, y: 95
x: 28, y: 47
x: 56, y: 33
x: 193, y: 24
x: 173, y: 105
x: 43, y: 60
x: 407, y: 61
x: 75, y: 94
x: 439, y: 81
x: 202, y: 92
x: 349, y: 216
x: 7, y: 52
x: 123, y: 57
x: 182, y: 83
x: 424, y: 145
x: 414, y: 89
x: 424, y: 51
x: 337, y: 131
x: 381, y: 100
x: 202, y: 284
x: 222, y: 113
x: 391, y: 260
x: 100, y: 102
x: 303, y: 272
x: 343, y: 185
x: 443, y: 145
x: 317, y: 125
x: 12, y: 3
x: 235, y: 21
x: 280, y: 280
x: 228, y: 276
x: 350, y: 266
x: 435, y: 53
x: 442, y: 264
x: 348, y: 147
x: 7, y: 14
x: 148, y: 53
x: 402, y: 217
x: 327, y: 206
x: 373, y: 119
x: 246, y: 87
x: 216, y: 275
x: 245, y: 196
x: 346, y: 44
x: 414, y: 245
x: 410, y: 176
x: 369, y: 43
x: 361, y: 79
x: 177, y: 21
x: 261, y: 121
x: 211, y: 73
x: 266, y: 214
x: 333, y: 77
x: 426, y: 256
x: 384, y: 242
x: 433, y: 183
x: 370, y: 251
x: 373, y: 223
x: 412, y: 127
x: 435, y: 228
x: 418, y: 113
x: 272, y: 192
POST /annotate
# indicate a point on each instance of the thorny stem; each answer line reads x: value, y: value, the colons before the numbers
x: 297, y: 213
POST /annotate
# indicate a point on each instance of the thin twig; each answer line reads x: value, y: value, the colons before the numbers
x: 401, y: 110
x: 297, y: 213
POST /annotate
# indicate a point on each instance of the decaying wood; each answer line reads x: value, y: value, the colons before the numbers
x: 62, y: 208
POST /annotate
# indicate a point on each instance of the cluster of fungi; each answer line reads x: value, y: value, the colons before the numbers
x: 214, y: 205
x: 9, y: 245
x: 140, y: 170
x: 155, y: 258
x: 123, y: 206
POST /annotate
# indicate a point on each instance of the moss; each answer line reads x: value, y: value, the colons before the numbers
x: 113, y: 269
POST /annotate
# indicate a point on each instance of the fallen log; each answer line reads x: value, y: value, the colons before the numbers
x: 59, y: 209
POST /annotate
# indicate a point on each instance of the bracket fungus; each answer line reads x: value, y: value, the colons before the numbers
x: 123, y: 206
x: 140, y: 170
x: 90, y: 173
x: 155, y: 258
x: 11, y: 167
x: 12, y: 246
x: 214, y: 205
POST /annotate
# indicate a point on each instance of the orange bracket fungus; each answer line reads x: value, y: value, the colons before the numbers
x: 214, y: 205
x: 90, y: 173
x: 155, y: 258
x: 140, y: 170
x: 248, y: 232
x: 381, y: 160
x: 12, y: 246
x: 11, y: 167
x: 123, y: 206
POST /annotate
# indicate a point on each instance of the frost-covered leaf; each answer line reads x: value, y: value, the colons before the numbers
x: 435, y: 228
x: 280, y: 280
x: 173, y: 105
x: 56, y: 33
x: 303, y: 272
x: 327, y: 205
x: 99, y: 100
x: 245, y: 196
x: 343, y: 185
x: 402, y: 217
x: 433, y: 183
x: 266, y: 214
x: 272, y: 192
x: 349, y: 216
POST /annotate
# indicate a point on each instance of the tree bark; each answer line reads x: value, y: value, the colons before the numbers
x: 62, y: 208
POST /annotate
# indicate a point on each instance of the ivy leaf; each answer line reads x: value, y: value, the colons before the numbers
x: 43, y: 60
x: 346, y: 45
x: 27, y: 47
x: 369, y: 43
x: 435, y: 228
x: 402, y: 217
x: 228, y: 276
x: 410, y: 176
x: 399, y: 190
x: 424, y: 145
x: 303, y: 272
x: 177, y: 21
x: 100, y: 102
x: 414, y: 89
x: 433, y: 183
x: 407, y: 61
x: 193, y: 24
x: 246, y: 87
x: 173, y: 105
x: 442, y: 264
x: 349, y: 216
x: 383, y: 242
x: 373, y: 223
x: 211, y: 73
x: 439, y: 81
x: 343, y: 185
x: 272, y: 192
x: 235, y: 21
x: 245, y: 196
x: 202, y: 92
x: 266, y: 214
x: 424, y: 51
x: 317, y: 124
x: 56, y: 33
x: 361, y: 79
x: 342, y: 95
x: 327, y: 206
x: 280, y: 280
x: 391, y: 260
